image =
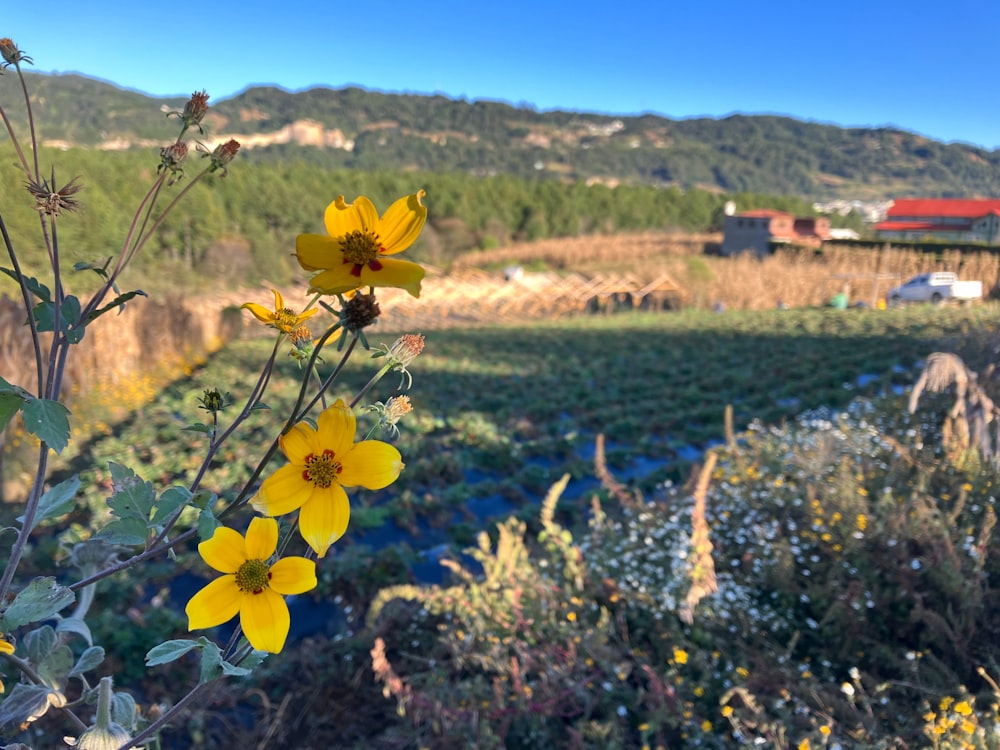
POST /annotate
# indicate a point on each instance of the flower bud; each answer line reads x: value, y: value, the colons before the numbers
x: 96, y: 738
x: 11, y: 54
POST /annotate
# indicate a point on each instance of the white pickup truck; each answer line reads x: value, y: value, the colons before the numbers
x: 936, y: 287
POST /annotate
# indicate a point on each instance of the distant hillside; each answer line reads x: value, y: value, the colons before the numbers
x: 355, y: 128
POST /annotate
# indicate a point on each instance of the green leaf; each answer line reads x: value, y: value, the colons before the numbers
x: 211, y: 662
x: 11, y: 399
x: 55, y: 668
x: 123, y: 711
x: 131, y: 502
x: 56, y: 501
x: 48, y: 420
x: 231, y: 670
x: 39, y: 600
x: 75, y: 625
x: 207, y: 523
x: 45, y: 315
x: 70, y: 320
x: 214, y: 666
x: 129, y: 532
x: 173, y: 650
x: 204, y: 499
x: 10, y: 404
x: 39, y: 643
x: 101, y: 269
x: 118, y: 301
x: 90, y: 659
x: 27, y: 703
x: 170, y: 501
x: 34, y: 285
x: 260, y: 406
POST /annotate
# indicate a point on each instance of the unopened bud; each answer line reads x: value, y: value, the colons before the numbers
x: 171, y: 159
x: 11, y: 54
x: 214, y: 400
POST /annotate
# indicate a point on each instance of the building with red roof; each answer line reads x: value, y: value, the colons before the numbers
x: 949, y: 219
x: 755, y: 231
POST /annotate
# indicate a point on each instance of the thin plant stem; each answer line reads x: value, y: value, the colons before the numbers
x: 31, y: 119
x: 109, y: 283
x: 26, y: 297
x: 52, y: 386
x: 16, y: 142
x: 169, y: 714
x: 30, y: 508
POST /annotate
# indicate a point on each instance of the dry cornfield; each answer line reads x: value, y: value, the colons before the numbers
x: 797, y: 277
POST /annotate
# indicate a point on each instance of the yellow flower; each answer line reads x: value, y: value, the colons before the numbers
x: 963, y: 707
x: 283, y: 318
x: 680, y: 656
x: 322, y: 462
x: 6, y: 647
x: 354, y: 253
x: 251, y: 587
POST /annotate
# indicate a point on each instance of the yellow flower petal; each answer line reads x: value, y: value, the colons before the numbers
x: 265, y: 620
x: 225, y: 551
x: 293, y: 575
x: 336, y: 427
x: 279, y: 302
x: 314, y: 251
x: 371, y: 464
x: 402, y: 223
x: 394, y: 273
x: 338, y: 279
x: 6, y: 647
x: 259, y: 311
x: 323, y: 520
x: 298, y: 443
x: 262, y: 538
x: 341, y: 217
x: 282, y: 492
x: 215, y: 604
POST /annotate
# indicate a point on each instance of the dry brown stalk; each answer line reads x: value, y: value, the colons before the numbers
x: 703, y: 581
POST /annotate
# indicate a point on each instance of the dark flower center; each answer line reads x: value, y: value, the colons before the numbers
x: 321, y: 470
x: 360, y: 247
x: 284, y: 319
x: 252, y: 576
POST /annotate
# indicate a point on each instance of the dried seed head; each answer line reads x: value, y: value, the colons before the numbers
x: 360, y: 311
x: 222, y: 154
x: 51, y: 200
x: 195, y: 109
x: 406, y: 348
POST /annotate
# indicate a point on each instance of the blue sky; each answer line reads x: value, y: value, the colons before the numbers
x: 928, y: 67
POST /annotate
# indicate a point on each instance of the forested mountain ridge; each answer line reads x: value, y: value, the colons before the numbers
x: 356, y: 128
